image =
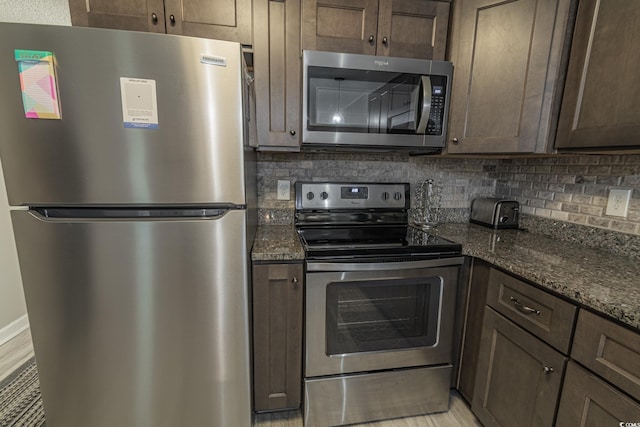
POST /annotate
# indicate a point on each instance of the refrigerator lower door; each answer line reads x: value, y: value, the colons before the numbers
x: 140, y: 322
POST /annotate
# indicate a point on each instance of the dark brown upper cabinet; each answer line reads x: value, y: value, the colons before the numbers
x: 277, y: 68
x: 507, y: 83
x: 215, y: 19
x: 401, y: 28
x: 601, y: 103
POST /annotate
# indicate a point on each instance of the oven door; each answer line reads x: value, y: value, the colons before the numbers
x: 364, y: 317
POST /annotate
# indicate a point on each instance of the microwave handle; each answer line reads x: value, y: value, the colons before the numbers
x: 425, y: 109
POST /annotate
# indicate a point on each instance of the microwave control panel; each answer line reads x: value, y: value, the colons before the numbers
x: 436, y: 115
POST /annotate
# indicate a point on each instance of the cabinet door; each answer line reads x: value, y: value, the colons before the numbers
x: 278, y: 73
x: 477, y: 296
x: 518, y: 376
x: 214, y: 19
x: 507, y: 56
x: 601, y: 102
x: 340, y: 25
x: 137, y: 15
x: 277, y: 336
x: 413, y: 28
x: 588, y: 401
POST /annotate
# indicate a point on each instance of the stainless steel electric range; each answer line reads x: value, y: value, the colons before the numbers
x: 379, y: 305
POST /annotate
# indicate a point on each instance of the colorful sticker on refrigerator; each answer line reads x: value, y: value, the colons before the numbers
x: 139, y: 103
x: 38, y: 84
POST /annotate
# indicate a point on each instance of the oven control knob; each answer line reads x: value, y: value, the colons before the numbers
x: 385, y: 195
x: 310, y: 195
x: 397, y: 195
x: 324, y: 195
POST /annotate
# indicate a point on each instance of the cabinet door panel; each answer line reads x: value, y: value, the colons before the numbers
x: 340, y: 25
x: 135, y: 15
x: 511, y: 383
x: 507, y: 62
x: 587, y: 401
x: 413, y: 28
x: 477, y: 296
x: 601, y: 104
x: 214, y: 19
x: 277, y: 336
x: 277, y: 66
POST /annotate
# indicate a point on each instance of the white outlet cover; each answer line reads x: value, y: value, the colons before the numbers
x: 284, y: 189
x: 618, y: 203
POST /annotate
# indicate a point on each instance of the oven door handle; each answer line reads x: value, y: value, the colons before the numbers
x: 378, y: 266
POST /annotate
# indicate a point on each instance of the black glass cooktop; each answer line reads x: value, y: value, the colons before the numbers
x: 379, y: 240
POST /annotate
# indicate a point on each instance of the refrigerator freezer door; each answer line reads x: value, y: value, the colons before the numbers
x: 139, y: 323
x: 195, y: 156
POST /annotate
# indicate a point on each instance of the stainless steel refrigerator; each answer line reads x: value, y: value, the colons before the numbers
x: 132, y: 186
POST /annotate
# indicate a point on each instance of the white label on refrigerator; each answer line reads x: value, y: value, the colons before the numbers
x: 220, y: 61
x: 139, y: 103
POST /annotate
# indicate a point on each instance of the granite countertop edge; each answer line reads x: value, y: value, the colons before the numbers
x: 592, y: 278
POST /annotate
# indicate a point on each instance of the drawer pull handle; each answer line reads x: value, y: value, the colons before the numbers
x: 523, y: 308
x: 548, y: 369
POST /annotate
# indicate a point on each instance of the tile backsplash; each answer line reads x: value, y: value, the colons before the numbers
x: 574, y: 189
x: 566, y: 188
x: 462, y: 179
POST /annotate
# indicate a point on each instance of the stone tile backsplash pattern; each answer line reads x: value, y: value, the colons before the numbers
x: 571, y: 188
x: 462, y: 180
x: 574, y: 189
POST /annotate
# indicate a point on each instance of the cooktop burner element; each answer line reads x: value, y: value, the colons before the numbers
x: 354, y: 220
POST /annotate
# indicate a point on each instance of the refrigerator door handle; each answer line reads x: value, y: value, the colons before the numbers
x: 119, y: 214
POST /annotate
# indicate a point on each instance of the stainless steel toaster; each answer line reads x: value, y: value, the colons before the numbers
x: 495, y: 212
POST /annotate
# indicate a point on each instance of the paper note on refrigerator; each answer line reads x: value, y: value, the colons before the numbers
x: 139, y: 103
x: 38, y: 84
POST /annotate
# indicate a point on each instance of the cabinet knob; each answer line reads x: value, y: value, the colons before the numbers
x: 294, y: 280
x: 548, y: 369
x: 172, y: 19
x: 154, y: 18
x: 292, y: 132
x: 455, y: 140
x: 371, y: 39
x: 385, y: 41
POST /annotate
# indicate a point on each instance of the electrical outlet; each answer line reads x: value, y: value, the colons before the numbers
x: 618, y: 203
x: 284, y: 189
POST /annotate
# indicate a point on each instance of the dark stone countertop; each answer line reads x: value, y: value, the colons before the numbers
x: 277, y: 243
x: 596, y: 279
x: 604, y: 282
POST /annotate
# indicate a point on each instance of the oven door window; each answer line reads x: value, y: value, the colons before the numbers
x: 378, y: 315
x: 347, y: 100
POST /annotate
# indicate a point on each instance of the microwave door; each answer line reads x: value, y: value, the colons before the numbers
x: 425, y: 105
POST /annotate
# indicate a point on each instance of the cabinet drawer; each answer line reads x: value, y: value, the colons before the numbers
x: 546, y: 316
x: 589, y: 401
x: 609, y: 350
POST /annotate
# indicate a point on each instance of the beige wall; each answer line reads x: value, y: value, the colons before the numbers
x: 11, y: 299
x: 12, y: 306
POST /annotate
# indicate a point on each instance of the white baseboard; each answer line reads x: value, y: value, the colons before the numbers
x: 13, y: 329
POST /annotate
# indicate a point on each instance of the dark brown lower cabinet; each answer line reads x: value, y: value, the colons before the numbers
x: 277, y: 336
x: 476, y: 297
x: 518, y: 377
x: 589, y: 401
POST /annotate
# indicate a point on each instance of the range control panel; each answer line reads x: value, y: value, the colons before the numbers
x: 324, y: 195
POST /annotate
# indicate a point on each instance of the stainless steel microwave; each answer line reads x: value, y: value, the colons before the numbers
x: 378, y: 103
